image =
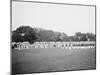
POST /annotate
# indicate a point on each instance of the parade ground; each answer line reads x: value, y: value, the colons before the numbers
x: 52, y: 59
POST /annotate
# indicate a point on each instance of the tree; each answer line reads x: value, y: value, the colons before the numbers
x: 24, y: 33
x: 91, y: 36
x: 84, y: 37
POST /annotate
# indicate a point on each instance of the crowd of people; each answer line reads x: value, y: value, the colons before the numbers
x: 64, y: 45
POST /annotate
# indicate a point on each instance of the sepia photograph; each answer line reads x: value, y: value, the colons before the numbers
x: 52, y: 37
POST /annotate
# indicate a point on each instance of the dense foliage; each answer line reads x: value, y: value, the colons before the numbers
x: 26, y: 33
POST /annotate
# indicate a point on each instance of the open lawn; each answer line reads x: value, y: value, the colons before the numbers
x: 55, y: 59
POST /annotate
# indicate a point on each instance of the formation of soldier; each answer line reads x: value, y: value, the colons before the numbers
x: 63, y: 45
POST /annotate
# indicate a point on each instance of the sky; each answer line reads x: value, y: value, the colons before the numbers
x: 57, y: 17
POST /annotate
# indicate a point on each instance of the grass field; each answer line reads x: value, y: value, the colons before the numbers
x: 55, y: 59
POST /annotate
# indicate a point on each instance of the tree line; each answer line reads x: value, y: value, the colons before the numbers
x: 31, y: 35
